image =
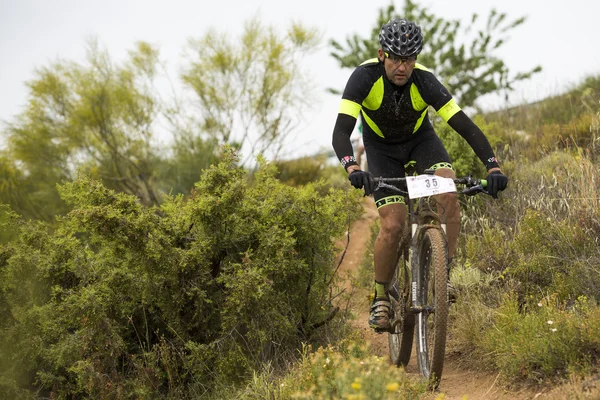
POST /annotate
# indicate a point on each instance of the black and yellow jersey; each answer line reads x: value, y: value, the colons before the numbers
x: 390, y: 112
x: 395, y: 114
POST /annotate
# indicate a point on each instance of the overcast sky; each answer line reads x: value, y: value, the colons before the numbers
x: 561, y: 36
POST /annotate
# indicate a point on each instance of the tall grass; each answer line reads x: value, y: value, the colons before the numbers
x: 531, y: 311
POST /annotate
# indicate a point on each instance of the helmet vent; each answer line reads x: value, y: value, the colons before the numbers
x: 401, y: 37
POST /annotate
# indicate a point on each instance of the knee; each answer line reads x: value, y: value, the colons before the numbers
x: 445, y: 172
x: 449, y: 198
x: 392, y: 230
x: 450, y: 206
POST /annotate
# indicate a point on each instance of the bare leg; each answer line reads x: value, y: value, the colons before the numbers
x: 392, y: 219
x: 449, y: 210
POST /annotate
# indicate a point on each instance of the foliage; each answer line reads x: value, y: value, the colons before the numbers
x: 190, y: 155
x: 540, y: 245
x: 98, y: 116
x: 568, y: 121
x: 251, y: 91
x: 126, y: 301
x: 558, y: 258
x: 480, y: 295
x: 464, y: 159
x: 102, y: 118
x: 539, y: 341
x: 304, y: 170
x: 352, y: 372
x: 347, y: 370
x: 561, y: 109
x: 469, y: 69
x: 548, y: 342
x: 300, y: 171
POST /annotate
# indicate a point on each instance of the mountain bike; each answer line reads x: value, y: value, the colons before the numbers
x: 418, y: 290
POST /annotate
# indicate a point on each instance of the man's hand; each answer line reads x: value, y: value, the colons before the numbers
x: 361, y: 179
x: 496, y: 182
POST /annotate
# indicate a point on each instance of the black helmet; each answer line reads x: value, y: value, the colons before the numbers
x: 401, y: 37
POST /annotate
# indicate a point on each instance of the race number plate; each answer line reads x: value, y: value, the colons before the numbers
x: 428, y: 185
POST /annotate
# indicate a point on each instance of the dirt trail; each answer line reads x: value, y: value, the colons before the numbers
x: 457, y: 383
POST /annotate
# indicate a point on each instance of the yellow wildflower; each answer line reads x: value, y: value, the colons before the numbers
x: 392, y: 387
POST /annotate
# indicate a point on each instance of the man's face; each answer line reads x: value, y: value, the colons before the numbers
x: 397, y: 69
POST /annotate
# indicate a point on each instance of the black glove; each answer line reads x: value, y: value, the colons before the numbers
x: 496, y: 182
x: 360, y: 179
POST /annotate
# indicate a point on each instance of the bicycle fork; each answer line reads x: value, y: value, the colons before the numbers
x: 421, y: 312
x: 414, y: 226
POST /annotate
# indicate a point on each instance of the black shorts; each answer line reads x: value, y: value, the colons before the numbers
x: 424, y: 151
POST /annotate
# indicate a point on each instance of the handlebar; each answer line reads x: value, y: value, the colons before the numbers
x: 472, y: 185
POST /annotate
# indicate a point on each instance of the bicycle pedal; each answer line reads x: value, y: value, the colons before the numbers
x: 380, y: 331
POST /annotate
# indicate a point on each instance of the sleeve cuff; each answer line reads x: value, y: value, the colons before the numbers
x: 348, y: 161
x: 492, y: 162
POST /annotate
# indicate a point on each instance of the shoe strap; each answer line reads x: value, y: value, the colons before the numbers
x: 381, y: 303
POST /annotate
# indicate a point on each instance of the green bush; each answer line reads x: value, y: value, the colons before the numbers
x: 490, y: 250
x: 539, y: 242
x: 547, y: 252
x: 351, y: 372
x: 537, y: 340
x: 301, y: 171
x: 473, y: 314
x: 464, y: 159
x: 548, y: 341
x: 348, y: 370
x: 126, y: 301
x: 544, y: 256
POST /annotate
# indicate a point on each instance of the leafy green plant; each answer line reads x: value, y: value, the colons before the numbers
x: 128, y: 301
x: 301, y: 171
x: 252, y: 90
x: 548, y: 341
x: 352, y: 372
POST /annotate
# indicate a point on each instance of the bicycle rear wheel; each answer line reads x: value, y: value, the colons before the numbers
x: 431, y: 294
x: 400, y: 339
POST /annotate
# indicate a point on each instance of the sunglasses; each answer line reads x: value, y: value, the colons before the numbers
x: 396, y: 59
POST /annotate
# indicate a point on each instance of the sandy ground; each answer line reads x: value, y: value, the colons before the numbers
x: 457, y: 383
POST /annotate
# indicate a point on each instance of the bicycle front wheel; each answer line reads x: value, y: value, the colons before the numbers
x: 430, y: 276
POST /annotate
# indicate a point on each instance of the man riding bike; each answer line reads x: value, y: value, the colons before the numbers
x: 392, y: 93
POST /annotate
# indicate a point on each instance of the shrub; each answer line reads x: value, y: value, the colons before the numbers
x: 473, y: 313
x: 301, y: 171
x: 351, y: 373
x: 548, y: 341
x: 464, y: 159
x: 348, y: 370
x: 126, y: 301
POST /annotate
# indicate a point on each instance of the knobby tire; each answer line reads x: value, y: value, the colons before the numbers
x: 401, y: 339
x: 431, y: 278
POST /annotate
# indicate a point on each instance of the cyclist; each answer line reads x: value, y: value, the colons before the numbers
x: 392, y: 94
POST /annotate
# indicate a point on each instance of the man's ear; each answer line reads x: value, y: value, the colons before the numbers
x: 380, y: 54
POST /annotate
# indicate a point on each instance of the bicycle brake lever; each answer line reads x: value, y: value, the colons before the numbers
x: 473, y: 190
